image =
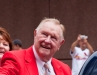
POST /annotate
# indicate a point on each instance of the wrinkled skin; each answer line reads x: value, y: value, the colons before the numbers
x: 47, y: 40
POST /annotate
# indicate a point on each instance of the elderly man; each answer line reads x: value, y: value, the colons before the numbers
x: 38, y: 59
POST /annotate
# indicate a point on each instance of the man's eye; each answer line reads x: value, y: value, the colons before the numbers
x: 54, y: 38
x: 44, y: 34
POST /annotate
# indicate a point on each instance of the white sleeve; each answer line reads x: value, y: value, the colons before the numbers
x: 74, y: 53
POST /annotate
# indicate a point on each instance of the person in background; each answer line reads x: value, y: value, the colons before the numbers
x: 80, y: 54
x: 38, y: 59
x: 17, y: 44
x: 5, y: 42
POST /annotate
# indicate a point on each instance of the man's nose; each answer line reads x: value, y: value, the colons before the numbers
x: 48, y: 39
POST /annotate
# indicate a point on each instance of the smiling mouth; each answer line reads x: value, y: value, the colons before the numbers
x: 46, y: 47
x: 2, y: 52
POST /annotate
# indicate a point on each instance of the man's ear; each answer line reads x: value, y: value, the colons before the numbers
x: 35, y: 32
x: 61, y: 43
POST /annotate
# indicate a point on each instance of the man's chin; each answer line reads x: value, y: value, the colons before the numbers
x: 45, y: 52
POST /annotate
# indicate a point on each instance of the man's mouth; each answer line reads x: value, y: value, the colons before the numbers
x: 46, y: 46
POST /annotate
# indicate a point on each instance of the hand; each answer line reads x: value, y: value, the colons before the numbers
x: 79, y: 38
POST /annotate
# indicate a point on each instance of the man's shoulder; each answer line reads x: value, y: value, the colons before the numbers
x: 20, y: 51
x: 77, y: 47
x: 13, y: 54
x: 59, y: 64
x: 16, y: 52
x: 54, y: 60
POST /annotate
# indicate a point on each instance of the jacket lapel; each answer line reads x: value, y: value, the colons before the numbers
x: 57, y: 67
x: 31, y: 62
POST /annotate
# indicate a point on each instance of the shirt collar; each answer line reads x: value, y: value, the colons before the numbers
x: 38, y: 60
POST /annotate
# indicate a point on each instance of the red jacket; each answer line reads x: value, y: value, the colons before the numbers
x: 23, y: 62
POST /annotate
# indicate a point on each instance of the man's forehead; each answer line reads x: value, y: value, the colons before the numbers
x: 51, y: 27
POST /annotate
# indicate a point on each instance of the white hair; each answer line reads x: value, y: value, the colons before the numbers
x: 57, y: 22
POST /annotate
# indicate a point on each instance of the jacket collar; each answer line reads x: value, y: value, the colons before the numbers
x: 32, y: 66
x: 57, y: 67
x: 31, y: 62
